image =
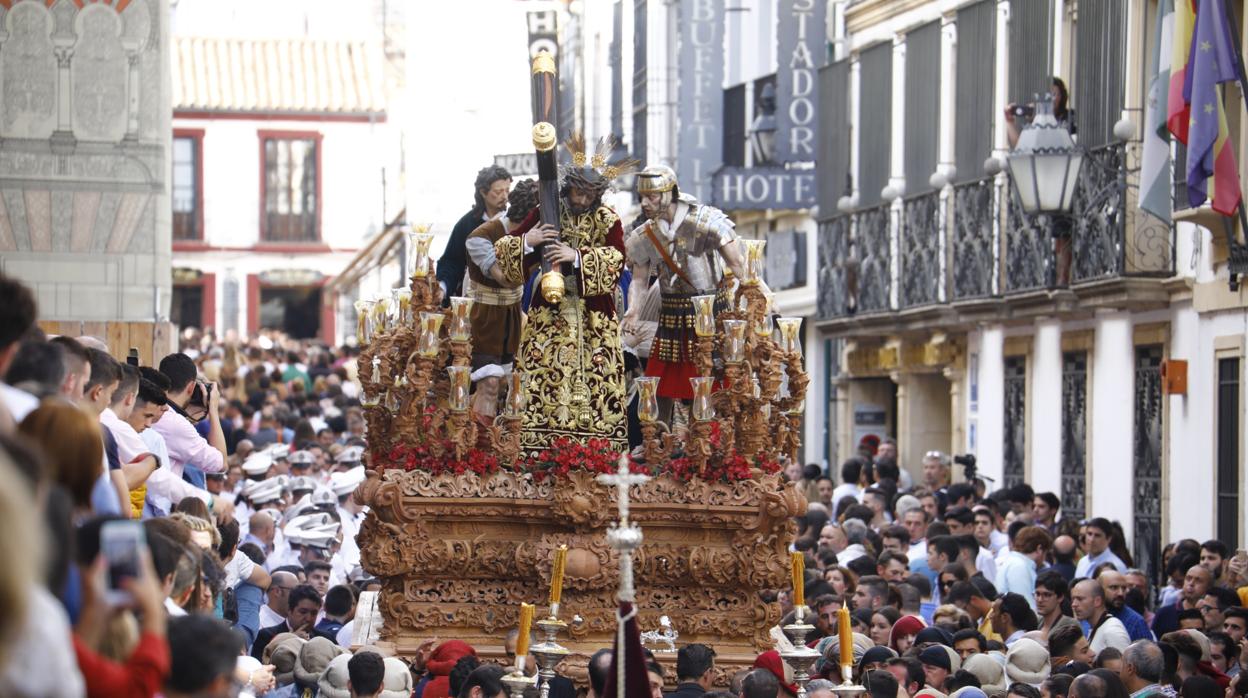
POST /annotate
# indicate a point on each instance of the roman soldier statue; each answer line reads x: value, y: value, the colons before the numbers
x: 686, y: 244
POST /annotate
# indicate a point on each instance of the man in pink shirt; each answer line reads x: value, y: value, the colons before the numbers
x: 176, y: 426
x: 186, y: 446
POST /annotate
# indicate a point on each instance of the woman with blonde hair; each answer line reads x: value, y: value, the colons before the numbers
x: 72, y: 447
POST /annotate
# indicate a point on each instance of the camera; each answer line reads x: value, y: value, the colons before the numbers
x: 969, y: 464
x: 199, y: 396
x: 1023, y: 111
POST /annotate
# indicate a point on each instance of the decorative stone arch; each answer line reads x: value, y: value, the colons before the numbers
x: 27, y: 72
x: 100, y: 74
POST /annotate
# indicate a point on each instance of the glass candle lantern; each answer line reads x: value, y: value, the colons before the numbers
x: 381, y: 315
x: 734, y: 341
x: 704, y: 315
x: 403, y: 299
x: 515, y: 394
x: 419, y: 242
x: 461, y: 385
x: 703, y: 410
x: 364, y: 321
x: 648, y: 398
x: 430, y: 326
x: 790, y: 327
x: 753, y: 261
x: 461, y: 318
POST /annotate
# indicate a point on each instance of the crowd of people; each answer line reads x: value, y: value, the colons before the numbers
x: 237, y: 461
x: 957, y: 591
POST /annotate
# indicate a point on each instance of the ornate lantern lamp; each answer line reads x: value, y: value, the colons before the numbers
x: 1044, y: 167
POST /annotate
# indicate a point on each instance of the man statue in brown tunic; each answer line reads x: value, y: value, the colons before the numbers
x: 496, y: 302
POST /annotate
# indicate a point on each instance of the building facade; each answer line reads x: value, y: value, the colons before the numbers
x: 286, y: 162
x: 84, y: 159
x: 1097, y: 356
x: 725, y: 93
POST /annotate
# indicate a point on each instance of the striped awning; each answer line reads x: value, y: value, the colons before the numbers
x: 277, y: 76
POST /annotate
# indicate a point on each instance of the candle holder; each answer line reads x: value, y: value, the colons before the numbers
x: 403, y: 297
x: 790, y: 329
x: 381, y: 315
x: 548, y: 653
x: 656, y: 445
x: 430, y: 325
x: 364, y: 321
x: 734, y: 341
x: 753, y: 261
x: 801, y: 658
x: 517, y: 683
x: 461, y: 320
x: 514, y: 403
x: 704, y: 315
x: 420, y: 241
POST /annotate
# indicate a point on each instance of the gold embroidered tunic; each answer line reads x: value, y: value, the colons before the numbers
x: 570, y: 352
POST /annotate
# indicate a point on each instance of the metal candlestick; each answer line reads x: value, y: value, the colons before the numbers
x: 517, y: 683
x: 548, y: 652
x: 801, y: 658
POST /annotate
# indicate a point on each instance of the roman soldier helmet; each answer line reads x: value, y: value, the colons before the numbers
x: 657, y: 179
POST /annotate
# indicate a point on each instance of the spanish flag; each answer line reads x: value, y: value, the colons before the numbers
x: 1211, y: 170
x: 1178, y: 110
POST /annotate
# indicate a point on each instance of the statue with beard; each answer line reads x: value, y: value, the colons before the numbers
x: 685, y: 244
x: 570, y: 351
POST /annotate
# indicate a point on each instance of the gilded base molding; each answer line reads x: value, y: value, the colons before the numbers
x: 457, y: 554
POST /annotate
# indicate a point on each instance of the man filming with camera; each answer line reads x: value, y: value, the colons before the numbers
x: 191, y: 401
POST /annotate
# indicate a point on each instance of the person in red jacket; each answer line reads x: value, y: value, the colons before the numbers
x: 443, y: 659
x: 143, y: 673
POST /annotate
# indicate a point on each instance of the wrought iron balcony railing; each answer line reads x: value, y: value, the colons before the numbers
x: 873, y: 247
x: 922, y: 273
x: 986, y: 246
x: 836, y: 280
x: 974, y: 239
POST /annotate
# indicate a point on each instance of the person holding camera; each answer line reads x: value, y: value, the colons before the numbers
x: 1060, y: 97
x: 192, y: 401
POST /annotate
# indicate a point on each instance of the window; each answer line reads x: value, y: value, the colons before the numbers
x: 290, y: 187
x: 875, y: 121
x: 188, y: 188
x: 734, y: 126
x: 1228, y: 451
x: 640, y: 99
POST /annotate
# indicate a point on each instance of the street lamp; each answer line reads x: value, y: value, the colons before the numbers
x: 1044, y: 166
x: 763, y: 130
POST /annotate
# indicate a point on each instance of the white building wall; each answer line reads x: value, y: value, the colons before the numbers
x: 991, y: 416
x: 351, y: 179
x: 1192, y: 453
x: 1110, y: 438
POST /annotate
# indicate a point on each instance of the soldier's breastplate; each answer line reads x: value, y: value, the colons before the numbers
x: 691, y: 251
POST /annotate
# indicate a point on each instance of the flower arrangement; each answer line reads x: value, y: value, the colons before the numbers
x: 566, y: 455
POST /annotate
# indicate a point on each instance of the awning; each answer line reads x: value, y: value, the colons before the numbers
x: 379, y: 251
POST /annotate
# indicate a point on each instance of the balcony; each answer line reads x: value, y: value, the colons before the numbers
x: 968, y: 253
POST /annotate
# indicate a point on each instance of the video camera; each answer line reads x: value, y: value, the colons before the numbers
x: 969, y: 465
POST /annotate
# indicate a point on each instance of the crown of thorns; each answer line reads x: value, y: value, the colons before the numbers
x: 594, y: 172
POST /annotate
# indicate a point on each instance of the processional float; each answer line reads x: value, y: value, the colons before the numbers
x: 463, y: 527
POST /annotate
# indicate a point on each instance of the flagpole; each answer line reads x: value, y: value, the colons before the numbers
x: 1234, y: 269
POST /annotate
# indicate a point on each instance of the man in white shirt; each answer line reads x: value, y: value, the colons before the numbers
x: 1087, y: 600
x: 274, y: 610
x: 851, y: 472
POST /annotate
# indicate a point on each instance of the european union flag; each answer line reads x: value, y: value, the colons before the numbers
x: 1209, y: 155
